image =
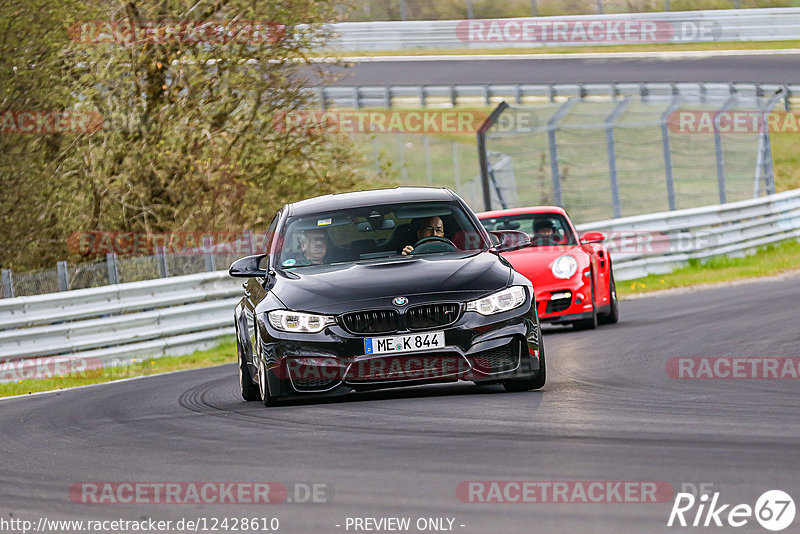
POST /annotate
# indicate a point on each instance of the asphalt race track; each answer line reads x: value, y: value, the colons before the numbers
x: 732, y: 68
x: 609, y: 412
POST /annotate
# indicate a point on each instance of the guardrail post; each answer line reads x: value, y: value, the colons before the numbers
x: 208, y: 256
x: 387, y: 97
x: 534, y: 9
x: 111, y: 265
x: 356, y: 96
x: 161, y: 254
x: 7, y: 279
x: 720, y: 156
x: 552, y: 125
x: 676, y: 102
x: 610, y: 124
x: 321, y: 96
x: 61, y: 272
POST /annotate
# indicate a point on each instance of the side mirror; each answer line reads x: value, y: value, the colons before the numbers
x: 511, y: 240
x: 248, y: 267
x: 592, y: 237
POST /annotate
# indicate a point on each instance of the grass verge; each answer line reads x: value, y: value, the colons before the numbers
x: 767, y: 261
x: 224, y: 352
x: 658, y: 47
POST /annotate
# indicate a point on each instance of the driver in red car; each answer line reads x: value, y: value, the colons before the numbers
x: 545, y: 232
x: 430, y: 227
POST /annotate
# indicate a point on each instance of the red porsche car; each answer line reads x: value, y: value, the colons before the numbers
x: 572, y: 277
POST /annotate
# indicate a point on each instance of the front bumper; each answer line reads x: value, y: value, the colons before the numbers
x: 477, y: 348
x: 563, y: 310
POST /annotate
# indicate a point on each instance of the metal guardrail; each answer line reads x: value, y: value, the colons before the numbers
x: 735, y: 25
x: 520, y: 94
x: 659, y: 243
x: 177, y: 315
x: 114, y: 324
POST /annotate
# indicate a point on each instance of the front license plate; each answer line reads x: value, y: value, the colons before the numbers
x: 406, y: 343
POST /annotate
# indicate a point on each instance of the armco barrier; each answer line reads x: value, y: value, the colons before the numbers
x: 118, y: 323
x: 446, y: 96
x: 737, y: 25
x: 699, y: 233
x: 177, y: 315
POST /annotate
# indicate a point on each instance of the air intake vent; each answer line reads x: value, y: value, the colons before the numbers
x: 432, y: 316
x: 371, y: 322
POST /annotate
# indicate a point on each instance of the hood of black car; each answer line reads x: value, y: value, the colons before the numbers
x: 337, y: 289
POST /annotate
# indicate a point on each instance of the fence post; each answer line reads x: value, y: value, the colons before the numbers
x: 208, y: 256
x: 764, y: 158
x: 483, y: 154
x: 401, y: 148
x: 456, y: 166
x: 111, y: 265
x: 61, y: 271
x: 610, y: 123
x: 161, y: 254
x: 720, y: 156
x: 426, y: 143
x: 676, y: 102
x: 552, y: 125
x: 7, y: 278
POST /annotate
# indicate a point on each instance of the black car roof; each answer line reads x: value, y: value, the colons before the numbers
x: 359, y: 199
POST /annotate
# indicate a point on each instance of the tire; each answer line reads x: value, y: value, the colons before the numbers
x: 246, y: 385
x: 612, y: 317
x: 591, y: 322
x: 263, y: 384
x: 530, y: 384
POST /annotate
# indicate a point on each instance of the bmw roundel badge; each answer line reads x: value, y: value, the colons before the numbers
x: 400, y: 301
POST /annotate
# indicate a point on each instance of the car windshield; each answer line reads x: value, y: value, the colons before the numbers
x: 544, y: 229
x: 377, y: 233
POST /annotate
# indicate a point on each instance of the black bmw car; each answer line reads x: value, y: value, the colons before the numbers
x: 386, y: 288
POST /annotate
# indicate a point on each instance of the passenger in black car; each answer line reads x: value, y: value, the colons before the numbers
x: 314, y: 245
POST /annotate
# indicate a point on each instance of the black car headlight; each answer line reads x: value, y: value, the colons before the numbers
x: 503, y: 300
x: 291, y: 321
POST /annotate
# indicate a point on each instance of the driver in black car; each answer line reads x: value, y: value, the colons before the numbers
x: 430, y: 227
